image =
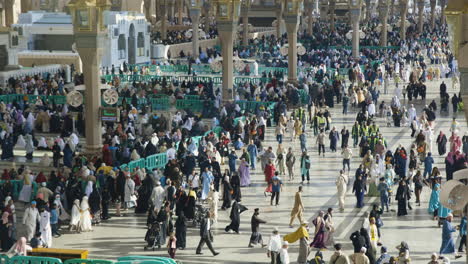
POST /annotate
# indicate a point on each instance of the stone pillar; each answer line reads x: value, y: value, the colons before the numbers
x: 310, y: 26
x: 2, y: 16
x: 392, y: 8
x: 12, y: 9
x: 443, y: 4
x: 292, y: 24
x: 90, y: 50
x: 383, y: 15
x: 355, y: 17
x: 245, y: 23
x: 332, y: 14
x: 206, y: 9
x: 195, y: 16
x: 323, y: 10
x: 464, y: 90
x: 179, y: 12
x: 279, y: 19
x: 433, y: 9
x: 226, y: 32
x: 368, y: 10
x: 164, y: 22
x: 404, y: 12
x: 147, y: 7
x: 420, y: 15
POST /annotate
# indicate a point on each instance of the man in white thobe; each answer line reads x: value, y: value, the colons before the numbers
x: 30, y: 218
x: 44, y: 227
x: 341, y: 185
x: 157, y: 196
x: 412, y: 113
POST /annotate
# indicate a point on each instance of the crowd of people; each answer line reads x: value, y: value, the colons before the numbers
x: 207, y: 165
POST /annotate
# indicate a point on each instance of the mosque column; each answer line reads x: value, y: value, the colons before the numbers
x: 89, y: 33
x: 404, y: 12
x: 10, y: 13
x: 245, y: 21
x: 180, y: 8
x: 310, y: 22
x: 292, y: 24
x: 279, y: 17
x: 147, y: 7
x: 383, y: 15
x: 392, y: 8
x: 227, y: 17
x: 206, y: 10
x: 332, y: 14
x: 420, y: 15
x: 355, y: 14
x: 2, y: 15
x: 368, y: 10
x: 164, y: 6
x: 443, y: 4
x: 323, y: 10
x: 195, y: 7
x: 433, y: 9
x: 456, y: 14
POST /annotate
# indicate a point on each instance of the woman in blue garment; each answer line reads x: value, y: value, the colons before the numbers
x: 448, y: 243
x: 207, y: 180
x: 253, y: 152
x: 67, y: 156
x: 232, y: 157
x: 400, y: 163
x: 434, y: 203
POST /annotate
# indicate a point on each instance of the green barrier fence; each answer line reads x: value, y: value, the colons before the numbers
x: 194, y: 105
x: 87, y: 261
x: 156, y: 161
x: 161, y: 260
x: 33, y: 260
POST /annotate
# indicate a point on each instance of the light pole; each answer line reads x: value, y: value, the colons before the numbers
x: 195, y: 10
x: 227, y: 16
x: 245, y: 21
x: 383, y: 14
x: 456, y: 14
x: 355, y: 12
x: 89, y: 31
x: 404, y: 12
x: 293, y: 11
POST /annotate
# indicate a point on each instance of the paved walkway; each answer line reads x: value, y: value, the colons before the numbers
x: 125, y: 235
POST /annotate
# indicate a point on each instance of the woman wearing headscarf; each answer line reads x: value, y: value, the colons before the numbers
x: 181, y: 230
x: 236, y: 188
x: 26, y: 190
x: 370, y: 252
x: 29, y: 147
x: 227, y: 190
x: 302, y: 235
x: 5, y: 238
x: 85, y: 216
x: 402, y: 196
x: 75, y: 216
x: 67, y: 156
x: 319, y: 234
x: 377, y: 169
x: 244, y: 173
x: 95, y: 205
x: 6, y: 175
x: 236, y: 210
x: 359, y: 188
x: 441, y: 143
x: 63, y: 215
x: 144, y: 195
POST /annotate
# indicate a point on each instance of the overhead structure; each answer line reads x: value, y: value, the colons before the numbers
x: 89, y: 30
x: 227, y: 16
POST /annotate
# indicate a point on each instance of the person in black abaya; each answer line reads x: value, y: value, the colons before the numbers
x: 7, y: 148
x: 358, y: 241
x: 227, y: 191
x: 181, y: 201
x: 95, y: 204
x: 236, y: 190
x: 236, y: 210
x: 5, y: 238
x: 441, y: 143
x: 181, y: 230
x: 144, y: 195
x: 189, y: 208
x: 370, y: 252
x: 402, y: 196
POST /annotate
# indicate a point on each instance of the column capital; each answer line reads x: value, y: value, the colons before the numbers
x: 288, y: 19
x: 226, y: 26
x: 355, y: 14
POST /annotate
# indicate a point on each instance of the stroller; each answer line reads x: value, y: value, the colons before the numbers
x: 152, y: 236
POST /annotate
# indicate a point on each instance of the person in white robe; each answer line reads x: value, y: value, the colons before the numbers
x: 89, y: 188
x: 213, y: 199
x: 85, y: 217
x: 371, y: 109
x: 44, y: 227
x: 75, y: 216
x: 45, y: 160
x: 129, y: 192
x: 412, y: 113
x: 63, y: 215
x: 42, y: 143
x: 157, y: 196
x: 30, y: 218
x: 26, y: 190
x: 74, y: 139
x: 341, y: 185
x: 20, y: 142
